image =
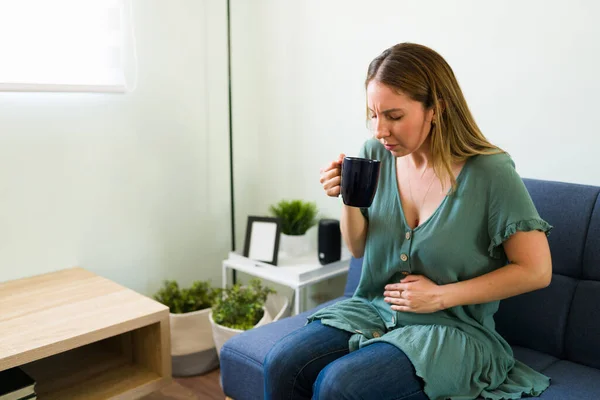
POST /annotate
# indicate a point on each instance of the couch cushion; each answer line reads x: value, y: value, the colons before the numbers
x: 242, y: 356
x: 591, y: 256
x: 538, y: 320
x: 583, y: 330
x: 353, y: 276
x: 570, y: 381
x: 241, y: 377
x: 568, y: 208
x: 534, y: 359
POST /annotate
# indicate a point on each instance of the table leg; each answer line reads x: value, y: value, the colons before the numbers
x: 297, y: 301
x: 224, y: 277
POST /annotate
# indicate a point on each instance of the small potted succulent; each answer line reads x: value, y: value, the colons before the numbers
x: 240, y: 308
x: 296, y: 217
x: 192, y: 347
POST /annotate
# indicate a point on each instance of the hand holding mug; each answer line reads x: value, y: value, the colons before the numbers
x: 331, y: 177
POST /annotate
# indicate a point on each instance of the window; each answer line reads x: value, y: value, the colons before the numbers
x: 63, y: 45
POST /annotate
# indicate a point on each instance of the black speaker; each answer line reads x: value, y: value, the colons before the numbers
x: 330, y: 241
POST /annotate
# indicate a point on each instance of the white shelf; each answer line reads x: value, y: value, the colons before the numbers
x: 294, y: 272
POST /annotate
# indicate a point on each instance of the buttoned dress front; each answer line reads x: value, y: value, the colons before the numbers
x: 457, y: 351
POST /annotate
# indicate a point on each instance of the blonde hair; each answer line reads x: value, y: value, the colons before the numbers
x: 424, y: 75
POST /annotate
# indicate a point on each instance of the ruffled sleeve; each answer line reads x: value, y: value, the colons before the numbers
x: 510, y: 207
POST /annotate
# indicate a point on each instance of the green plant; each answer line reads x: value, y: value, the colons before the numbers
x: 183, y: 300
x: 241, y: 307
x: 296, y: 216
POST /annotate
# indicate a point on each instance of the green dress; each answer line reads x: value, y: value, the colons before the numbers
x: 456, y: 351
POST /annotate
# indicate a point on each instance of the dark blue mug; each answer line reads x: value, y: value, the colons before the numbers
x: 359, y: 181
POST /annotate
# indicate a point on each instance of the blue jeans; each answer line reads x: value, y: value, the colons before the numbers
x: 314, y: 361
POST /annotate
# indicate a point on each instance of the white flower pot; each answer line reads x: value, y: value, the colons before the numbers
x: 291, y: 246
x: 192, y: 346
x: 222, y: 333
x: 276, y: 307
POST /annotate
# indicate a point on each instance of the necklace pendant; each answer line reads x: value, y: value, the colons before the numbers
x: 416, y: 222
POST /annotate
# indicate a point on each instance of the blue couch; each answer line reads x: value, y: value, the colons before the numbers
x: 555, y: 330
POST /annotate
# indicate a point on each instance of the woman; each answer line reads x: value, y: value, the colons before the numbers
x: 451, y: 231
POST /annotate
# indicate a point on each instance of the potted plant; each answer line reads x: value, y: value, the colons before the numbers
x: 240, y: 308
x: 296, y: 218
x: 192, y: 347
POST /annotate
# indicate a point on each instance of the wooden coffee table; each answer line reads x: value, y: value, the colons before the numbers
x: 82, y: 336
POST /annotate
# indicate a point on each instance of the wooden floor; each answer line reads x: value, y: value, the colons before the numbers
x: 201, y: 387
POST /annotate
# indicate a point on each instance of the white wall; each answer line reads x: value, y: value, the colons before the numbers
x: 134, y: 187
x: 529, y: 70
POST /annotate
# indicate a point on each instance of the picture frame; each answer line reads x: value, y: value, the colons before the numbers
x: 262, y: 239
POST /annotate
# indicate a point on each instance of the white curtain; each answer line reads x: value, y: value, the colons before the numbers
x: 62, y: 45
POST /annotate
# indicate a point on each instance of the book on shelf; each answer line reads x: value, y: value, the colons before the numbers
x: 15, y: 384
x: 32, y: 396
